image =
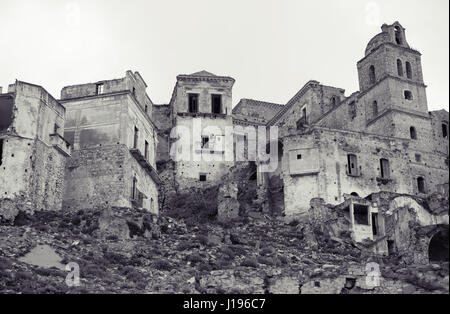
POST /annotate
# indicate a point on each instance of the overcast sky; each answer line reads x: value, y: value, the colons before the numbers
x: 271, y: 48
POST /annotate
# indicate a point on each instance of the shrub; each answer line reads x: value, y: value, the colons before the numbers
x: 94, y: 271
x: 283, y: 259
x: 115, y: 258
x: 229, y: 253
x: 194, y: 258
x: 266, y: 260
x: 162, y: 264
x: 203, y: 239
x: 250, y: 262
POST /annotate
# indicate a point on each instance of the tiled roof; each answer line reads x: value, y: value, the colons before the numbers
x: 291, y: 102
x: 261, y: 110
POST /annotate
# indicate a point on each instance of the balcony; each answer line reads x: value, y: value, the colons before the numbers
x: 58, y: 142
x: 136, y: 153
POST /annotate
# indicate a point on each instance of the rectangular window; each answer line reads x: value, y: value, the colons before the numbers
x: 444, y: 130
x: 202, y: 177
x: 205, y: 142
x: 134, y: 189
x: 375, y: 223
x: 418, y: 158
x: 99, y: 89
x: 408, y: 95
x: 361, y: 214
x: 193, y: 103
x: 146, y: 150
x: 384, y: 168
x: 1, y: 151
x: 216, y: 103
x: 299, y: 156
x: 55, y: 129
x: 352, y: 165
x: 136, y: 137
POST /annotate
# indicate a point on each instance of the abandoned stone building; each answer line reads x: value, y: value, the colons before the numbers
x: 367, y: 163
x: 195, y: 122
x: 114, y: 140
x: 32, y: 150
x: 381, y: 138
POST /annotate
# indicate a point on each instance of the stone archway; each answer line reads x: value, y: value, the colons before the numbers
x: 438, y: 247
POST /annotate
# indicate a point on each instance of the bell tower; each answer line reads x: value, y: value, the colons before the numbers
x: 391, y: 84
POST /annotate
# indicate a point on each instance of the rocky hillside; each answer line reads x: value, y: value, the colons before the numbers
x: 124, y: 251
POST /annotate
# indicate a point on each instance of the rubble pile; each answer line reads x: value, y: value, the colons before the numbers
x: 126, y: 251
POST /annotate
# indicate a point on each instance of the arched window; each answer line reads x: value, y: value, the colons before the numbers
x: 399, y: 67
x: 375, y: 108
x: 398, y: 35
x: 408, y: 70
x: 413, y: 133
x: 421, y: 185
x: 372, y: 76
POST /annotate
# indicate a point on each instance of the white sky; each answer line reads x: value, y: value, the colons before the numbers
x: 272, y: 48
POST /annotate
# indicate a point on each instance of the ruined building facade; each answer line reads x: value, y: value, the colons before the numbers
x: 381, y: 138
x: 33, y: 151
x: 114, y: 145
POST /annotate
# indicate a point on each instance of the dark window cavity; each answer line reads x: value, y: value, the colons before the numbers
x: 335, y: 100
x: 421, y: 185
x: 375, y: 108
x: 412, y: 133
x: 408, y: 95
x: 1, y: 151
x: 146, y: 150
x: 202, y: 177
x: 408, y: 70
x: 399, y: 67
x: 193, y: 103
x: 372, y: 76
x: 384, y: 168
x: 136, y: 137
x: 361, y: 214
x: 6, y: 112
x: 374, y: 223
x: 352, y: 164
x: 216, y: 103
x: 418, y: 158
x: 299, y: 156
x: 444, y: 130
x: 134, y: 189
x: 398, y: 35
x: 99, y: 89
x: 205, y: 142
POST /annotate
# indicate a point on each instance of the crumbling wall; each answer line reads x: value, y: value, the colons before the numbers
x: 331, y: 179
x: 96, y: 176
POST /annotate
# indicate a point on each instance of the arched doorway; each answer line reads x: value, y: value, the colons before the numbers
x: 438, y: 247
